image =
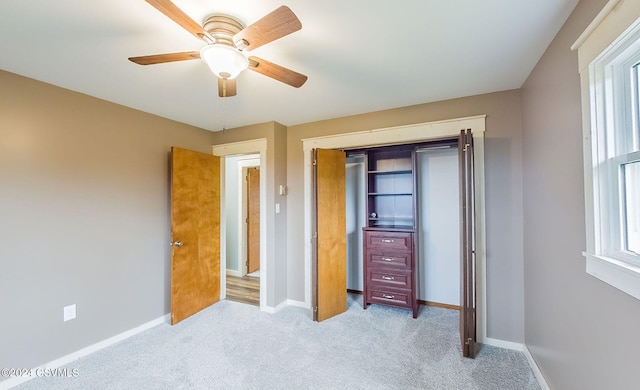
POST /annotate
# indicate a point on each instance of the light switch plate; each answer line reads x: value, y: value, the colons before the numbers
x: 277, y: 208
x: 69, y: 312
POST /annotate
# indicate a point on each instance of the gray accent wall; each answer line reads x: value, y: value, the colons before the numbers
x: 582, y: 332
x: 84, y: 218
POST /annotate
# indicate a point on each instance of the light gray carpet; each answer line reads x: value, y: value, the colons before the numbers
x: 236, y: 346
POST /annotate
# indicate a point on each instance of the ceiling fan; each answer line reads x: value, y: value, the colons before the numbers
x: 227, y: 42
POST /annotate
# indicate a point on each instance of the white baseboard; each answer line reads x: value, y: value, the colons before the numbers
x: 233, y: 272
x: 271, y: 309
x: 268, y: 309
x: 504, y: 344
x: 12, y: 382
x: 521, y: 348
x: 536, y: 370
x: 293, y: 302
x: 283, y: 304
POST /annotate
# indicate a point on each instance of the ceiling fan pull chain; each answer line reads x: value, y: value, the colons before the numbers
x: 224, y: 115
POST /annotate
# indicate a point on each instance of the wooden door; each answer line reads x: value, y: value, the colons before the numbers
x: 195, y: 232
x: 330, y: 243
x: 467, y: 246
x: 253, y: 219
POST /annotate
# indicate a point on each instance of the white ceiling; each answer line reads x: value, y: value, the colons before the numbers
x: 360, y: 55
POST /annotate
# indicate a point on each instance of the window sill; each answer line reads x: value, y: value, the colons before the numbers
x: 623, y: 276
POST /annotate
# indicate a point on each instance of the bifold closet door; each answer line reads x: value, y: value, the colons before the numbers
x: 467, y: 245
x: 329, y: 268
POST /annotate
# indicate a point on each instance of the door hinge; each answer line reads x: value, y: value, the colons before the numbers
x: 315, y: 309
x: 315, y: 162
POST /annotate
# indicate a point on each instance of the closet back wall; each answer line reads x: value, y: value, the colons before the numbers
x: 356, y: 209
x: 438, y: 230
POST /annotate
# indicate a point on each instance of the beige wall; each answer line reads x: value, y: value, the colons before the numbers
x: 84, y: 218
x: 581, y: 331
x: 503, y: 195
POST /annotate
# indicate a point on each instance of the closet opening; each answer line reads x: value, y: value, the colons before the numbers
x: 407, y: 188
x: 325, y: 182
x: 426, y: 202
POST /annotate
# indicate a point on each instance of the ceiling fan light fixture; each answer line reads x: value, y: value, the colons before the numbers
x: 224, y: 61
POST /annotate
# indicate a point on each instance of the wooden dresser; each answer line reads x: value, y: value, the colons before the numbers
x: 389, y: 268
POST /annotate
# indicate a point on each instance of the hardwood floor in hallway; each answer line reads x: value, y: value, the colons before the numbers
x: 245, y: 289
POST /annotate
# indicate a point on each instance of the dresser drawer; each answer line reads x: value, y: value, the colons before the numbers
x: 384, y: 240
x: 381, y: 277
x: 389, y: 297
x: 395, y: 260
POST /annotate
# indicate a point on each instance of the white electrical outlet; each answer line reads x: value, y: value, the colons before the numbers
x: 69, y: 312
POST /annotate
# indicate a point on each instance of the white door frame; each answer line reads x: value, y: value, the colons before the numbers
x: 256, y: 146
x: 409, y: 134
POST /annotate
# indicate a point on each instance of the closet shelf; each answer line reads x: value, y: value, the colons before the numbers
x: 391, y: 172
x: 392, y: 218
x: 390, y: 194
x: 407, y: 228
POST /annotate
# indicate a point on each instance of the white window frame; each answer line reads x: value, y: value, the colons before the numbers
x: 607, y: 50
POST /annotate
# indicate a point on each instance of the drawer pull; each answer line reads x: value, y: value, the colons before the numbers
x: 385, y: 277
x: 387, y: 259
x: 387, y: 241
x: 388, y: 296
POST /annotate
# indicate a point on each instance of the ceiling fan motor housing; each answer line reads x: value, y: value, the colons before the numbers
x: 223, y: 28
x: 225, y: 60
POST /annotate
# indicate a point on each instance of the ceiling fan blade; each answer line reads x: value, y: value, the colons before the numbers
x: 272, y: 26
x: 226, y: 87
x: 177, y: 15
x: 162, y: 58
x: 277, y: 72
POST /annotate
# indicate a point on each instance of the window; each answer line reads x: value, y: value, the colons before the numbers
x: 631, y: 207
x: 615, y: 153
x: 611, y: 96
